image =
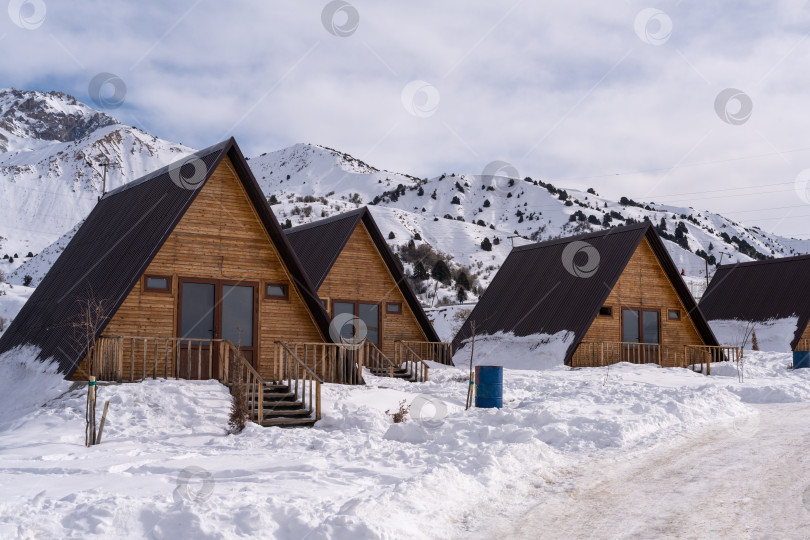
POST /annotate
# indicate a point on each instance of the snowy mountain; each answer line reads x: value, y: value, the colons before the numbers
x: 52, y: 149
x: 51, y: 176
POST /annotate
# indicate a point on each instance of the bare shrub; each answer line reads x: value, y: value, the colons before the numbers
x: 3, y: 323
x: 400, y: 415
x: 239, y: 413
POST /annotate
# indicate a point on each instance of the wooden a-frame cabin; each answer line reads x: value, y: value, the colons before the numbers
x: 615, y: 295
x: 761, y: 293
x: 356, y: 276
x: 186, y: 273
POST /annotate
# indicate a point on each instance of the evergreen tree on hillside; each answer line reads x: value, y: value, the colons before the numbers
x: 462, y: 280
x: 486, y: 245
x: 461, y: 295
x: 441, y: 272
x: 419, y: 271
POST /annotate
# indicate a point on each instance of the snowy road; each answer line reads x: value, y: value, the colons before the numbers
x: 750, y: 479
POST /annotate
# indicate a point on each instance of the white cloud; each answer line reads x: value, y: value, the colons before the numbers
x: 561, y: 90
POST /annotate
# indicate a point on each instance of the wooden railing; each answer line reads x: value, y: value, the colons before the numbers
x: 377, y: 360
x: 605, y: 353
x: 333, y: 363
x: 134, y: 358
x: 433, y: 351
x: 293, y: 370
x: 130, y: 359
x: 408, y: 359
x: 695, y: 355
x: 244, y: 380
x: 803, y: 344
x: 594, y: 354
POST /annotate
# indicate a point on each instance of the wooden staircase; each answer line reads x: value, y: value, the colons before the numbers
x: 407, y: 366
x: 397, y: 373
x: 280, y: 407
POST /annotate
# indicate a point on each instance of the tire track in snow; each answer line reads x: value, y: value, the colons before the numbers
x: 721, y: 483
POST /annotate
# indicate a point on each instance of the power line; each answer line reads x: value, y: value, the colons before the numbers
x: 724, y: 189
x: 682, y: 166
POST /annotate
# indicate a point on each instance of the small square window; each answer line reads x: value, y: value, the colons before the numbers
x: 674, y: 315
x: 394, y: 308
x: 606, y: 311
x: 275, y: 291
x: 157, y: 284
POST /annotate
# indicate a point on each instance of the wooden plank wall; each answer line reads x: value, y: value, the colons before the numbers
x: 644, y: 284
x: 219, y: 237
x: 805, y: 335
x: 360, y: 274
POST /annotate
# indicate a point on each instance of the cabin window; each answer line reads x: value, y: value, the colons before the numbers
x: 606, y: 311
x: 157, y: 284
x: 394, y: 308
x: 674, y: 315
x: 276, y: 291
x: 359, y: 311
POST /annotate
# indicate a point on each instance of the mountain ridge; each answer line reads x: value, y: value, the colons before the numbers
x: 52, y: 175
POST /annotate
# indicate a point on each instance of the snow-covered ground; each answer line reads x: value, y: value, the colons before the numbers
x: 12, y: 298
x: 774, y: 335
x: 166, y: 469
x: 447, y: 320
x: 749, y: 481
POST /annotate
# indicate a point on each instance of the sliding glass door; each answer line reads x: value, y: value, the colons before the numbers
x: 213, y: 310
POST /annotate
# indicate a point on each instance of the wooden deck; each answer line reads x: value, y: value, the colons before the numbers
x: 605, y: 353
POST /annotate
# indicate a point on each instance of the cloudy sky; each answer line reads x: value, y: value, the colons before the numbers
x: 700, y: 104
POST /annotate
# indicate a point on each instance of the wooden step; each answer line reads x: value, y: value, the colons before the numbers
x: 288, y: 422
x: 272, y: 413
x: 282, y: 405
x: 274, y: 396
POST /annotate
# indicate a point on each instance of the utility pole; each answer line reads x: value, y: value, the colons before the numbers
x: 512, y: 238
x: 105, y: 164
x: 104, y: 179
x: 707, y: 271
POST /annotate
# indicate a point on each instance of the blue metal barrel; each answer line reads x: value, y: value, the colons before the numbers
x: 488, y: 387
x: 801, y: 359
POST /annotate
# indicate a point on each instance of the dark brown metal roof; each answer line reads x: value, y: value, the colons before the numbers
x: 116, y: 244
x: 318, y: 245
x: 537, y: 289
x: 760, y: 291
